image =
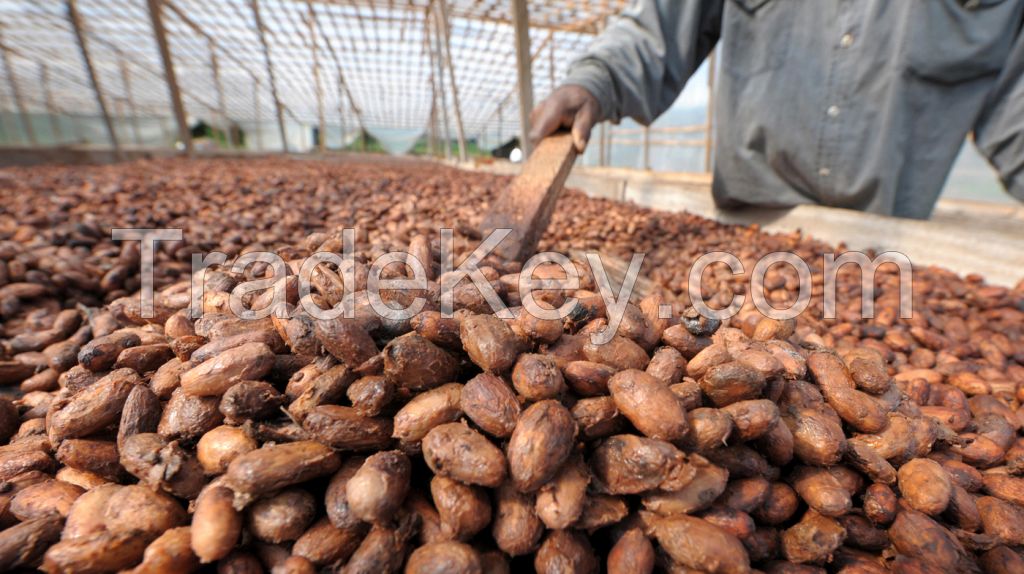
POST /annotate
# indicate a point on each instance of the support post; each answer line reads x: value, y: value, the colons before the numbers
x: 524, y: 72
x: 442, y: 24
x: 434, y: 46
x: 341, y: 124
x: 259, y: 116
x: 711, y: 103
x: 156, y: 15
x: 322, y: 123
x: 432, y: 128
x: 255, y: 5
x: 222, y: 107
x: 119, y: 114
x: 127, y: 84
x: 5, y: 130
x: 551, y: 58
x: 51, y: 107
x: 12, y: 83
x: 83, y: 47
x: 647, y: 147
x: 603, y: 144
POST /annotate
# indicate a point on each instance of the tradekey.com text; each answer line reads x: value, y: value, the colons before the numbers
x: 398, y: 285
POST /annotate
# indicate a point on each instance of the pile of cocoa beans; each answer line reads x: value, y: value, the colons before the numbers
x: 475, y: 443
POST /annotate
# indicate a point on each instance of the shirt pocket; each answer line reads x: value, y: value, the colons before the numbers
x: 755, y: 36
x: 958, y: 40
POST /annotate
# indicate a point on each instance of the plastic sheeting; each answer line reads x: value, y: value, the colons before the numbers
x: 396, y: 141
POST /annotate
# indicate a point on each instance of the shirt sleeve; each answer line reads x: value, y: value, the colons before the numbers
x: 638, y: 66
x: 999, y: 130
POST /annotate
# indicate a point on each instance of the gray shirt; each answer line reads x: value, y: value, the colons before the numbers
x: 861, y: 104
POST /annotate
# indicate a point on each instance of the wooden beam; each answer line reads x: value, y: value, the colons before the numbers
x: 156, y: 16
x: 524, y: 72
x: 711, y: 108
x: 442, y: 21
x: 647, y: 147
x: 321, y: 122
x: 19, y: 102
x: 222, y: 107
x: 126, y: 82
x: 551, y: 58
x: 585, y: 25
x: 434, y: 47
x: 51, y: 107
x: 432, y: 129
x: 83, y: 47
x: 261, y: 30
x: 259, y: 119
x: 4, y: 128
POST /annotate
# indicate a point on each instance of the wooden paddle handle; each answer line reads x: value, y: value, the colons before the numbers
x: 527, y: 204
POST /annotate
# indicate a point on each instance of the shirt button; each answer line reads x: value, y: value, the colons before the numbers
x: 832, y: 111
x: 824, y: 172
x: 846, y: 41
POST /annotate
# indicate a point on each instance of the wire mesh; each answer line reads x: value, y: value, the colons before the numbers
x: 380, y: 64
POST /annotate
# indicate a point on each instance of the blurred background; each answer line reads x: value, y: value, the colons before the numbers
x: 425, y: 77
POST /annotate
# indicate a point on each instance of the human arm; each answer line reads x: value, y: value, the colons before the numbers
x: 999, y: 129
x: 637, y: 67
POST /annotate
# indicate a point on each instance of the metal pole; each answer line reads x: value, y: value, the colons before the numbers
x: 442, y: 24
x: 524, y: 72
x: 83, y: 47
x: 322, y: 123
x: 711, y: 104
x: 127, y: 84
x: 647, y: 147
x: 222, y: 107
x: 12, y: 82
x: 51, y: 108
x: 255, y: 4
x: 157, y: 17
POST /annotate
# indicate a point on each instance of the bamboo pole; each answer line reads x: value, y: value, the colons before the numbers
x: 343, y: 85
x: 711, y: 102
x: 19, y: 102
x: 83, y: 48
x: 51, y: 107
x: 524, y: 72
x: 156, y: 15
x: 647, y: 147
x: 442, y: 23
x: 259, y: 118
x: 255, y: 5
x: 551, y: 58
x: 434, y: 47
x: 222, y: 108
x: 321, y: 121
x: 127, y: 84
